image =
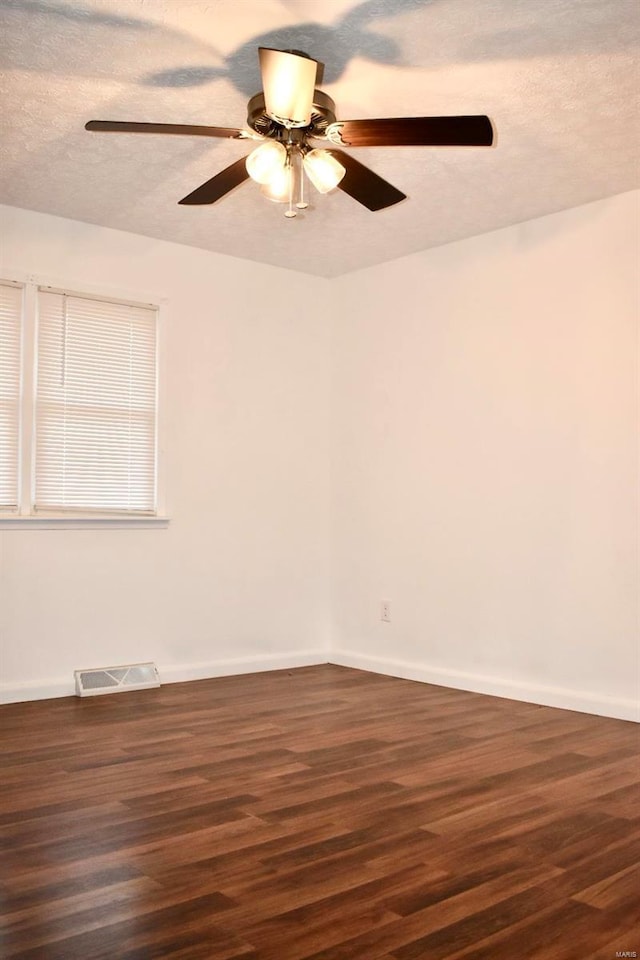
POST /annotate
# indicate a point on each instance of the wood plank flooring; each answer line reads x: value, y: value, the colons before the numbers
x: 316, y: 814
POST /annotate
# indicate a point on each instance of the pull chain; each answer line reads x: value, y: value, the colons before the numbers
x: 290, y: 213
x: 302, y: 203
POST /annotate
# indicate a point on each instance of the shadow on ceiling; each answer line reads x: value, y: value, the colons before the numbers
x: 78, y: 27
x: 334, y: 46
x: 42, y: 35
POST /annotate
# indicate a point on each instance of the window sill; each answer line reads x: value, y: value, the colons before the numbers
x: 81, y: 523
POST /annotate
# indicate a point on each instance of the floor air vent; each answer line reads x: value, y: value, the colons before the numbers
x: 131, y: 676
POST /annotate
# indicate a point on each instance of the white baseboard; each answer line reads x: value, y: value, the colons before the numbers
x: 37, y: 690
x: 565, y: 699
x: 178, y: 673
x: 171, y: 673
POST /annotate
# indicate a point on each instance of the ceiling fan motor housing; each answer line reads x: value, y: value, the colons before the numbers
x: 323, y: 114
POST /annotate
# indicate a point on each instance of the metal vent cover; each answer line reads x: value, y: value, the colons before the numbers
x: 131, y: 676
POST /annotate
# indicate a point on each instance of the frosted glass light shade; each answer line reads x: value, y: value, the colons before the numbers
x: 288, y: 82
x: 324, y: 171
x: 278, y: 188
x: 266, y: 161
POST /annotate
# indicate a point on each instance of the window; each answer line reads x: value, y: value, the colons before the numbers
x: 86, y: 439
x: 10, y: 363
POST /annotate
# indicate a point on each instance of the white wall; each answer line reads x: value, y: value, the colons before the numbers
x: 484, y: 469
x: 485, y: 462
x: 241, y: 573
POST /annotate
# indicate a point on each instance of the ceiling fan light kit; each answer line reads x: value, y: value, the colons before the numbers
x: 287, y: 116
x: 280, y: 170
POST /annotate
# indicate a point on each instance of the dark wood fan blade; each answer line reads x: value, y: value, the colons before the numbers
x: 219, y: 185
x: 414, y: 132
x: 185, y: 129
x: 364, y: 185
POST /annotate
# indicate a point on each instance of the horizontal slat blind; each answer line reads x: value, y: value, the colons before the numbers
x: 10, y: 341
x: 95, y: 406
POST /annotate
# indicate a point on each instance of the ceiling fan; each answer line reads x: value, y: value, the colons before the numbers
x: 286, y: 116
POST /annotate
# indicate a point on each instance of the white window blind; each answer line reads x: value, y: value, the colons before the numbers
x: 95, y: 422
x: 10, y: 341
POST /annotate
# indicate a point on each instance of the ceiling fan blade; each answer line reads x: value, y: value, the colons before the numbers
x: 364, y: 185
x: 474, y: 131
x: 186, y: 129
x: 219, y: 185
x: 288, y: 82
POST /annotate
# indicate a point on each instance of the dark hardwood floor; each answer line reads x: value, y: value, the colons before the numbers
x: 320, y: 813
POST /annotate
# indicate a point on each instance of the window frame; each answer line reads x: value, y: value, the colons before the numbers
x: 25, y: 515
x: 6, y: 510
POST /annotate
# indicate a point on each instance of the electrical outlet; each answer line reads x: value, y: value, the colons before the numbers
x: 385, y: 610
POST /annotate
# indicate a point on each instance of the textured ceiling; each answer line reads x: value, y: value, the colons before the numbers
x: 559, y: 79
